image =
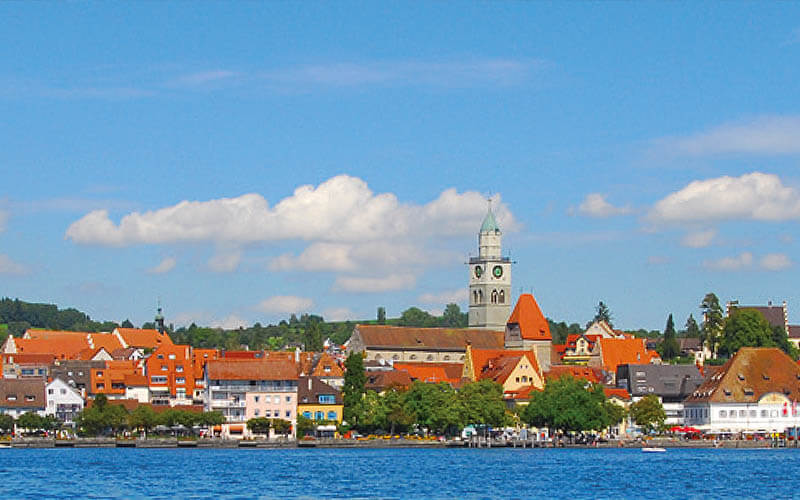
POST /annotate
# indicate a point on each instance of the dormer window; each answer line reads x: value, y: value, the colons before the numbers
x: 765, y: 376
x: 748, y: 391
x: 727, y: 392
x: 741, y: 377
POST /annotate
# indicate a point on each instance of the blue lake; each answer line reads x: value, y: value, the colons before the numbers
x: 398, y: 473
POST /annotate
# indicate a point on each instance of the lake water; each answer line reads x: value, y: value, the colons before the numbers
x: 398, y: 473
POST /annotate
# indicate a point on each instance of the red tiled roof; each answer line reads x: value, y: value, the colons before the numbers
x: 432, y: 372
x: 616, y: 392
x: 251, y: 369
x: 27, y: 359
x: 143, y: 338
x: 617, y: 352
x: 381, y: 380
x: 532, y: 323
x: 497, y: 364
x: 61, y: 347
x: 594, y: 375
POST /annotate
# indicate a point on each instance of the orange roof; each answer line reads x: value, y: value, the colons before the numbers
x: 251, y: 369
x: 498, y: 364
x: 107, y: 341
x: 616, y: 392
x: 594, y: 375
x: 432, y: 372
x: 521, y: 394
x: 136, y: 379
x: 33, y: 333
x: 531, y: 321
x: 328, y: 367
x: 23, y: 359
x: 617, y: 352
x: 146, y: 339
x: 66, y: 347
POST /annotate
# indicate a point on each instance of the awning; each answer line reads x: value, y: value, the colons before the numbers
x: 236, y: 429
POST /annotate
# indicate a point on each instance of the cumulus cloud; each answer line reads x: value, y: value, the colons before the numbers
x: 765, y: 135
x: 596, y: 205
x: 285, y: 304
x: 361, y: 284
x: 444, y: 297
x: 164, y: 266
x: 754, y: 196
x: 232, y: 322
x: 736, y: 263
x: 775, y: 262
x: 9, y: 266
x: 699, y: 239
x: 341, y: 209
x: 225, y: 262
x: 339, y: 314
x: 324, y: 256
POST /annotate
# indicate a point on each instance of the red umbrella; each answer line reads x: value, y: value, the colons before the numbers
x: 692, y: 430
x: 676, y: 428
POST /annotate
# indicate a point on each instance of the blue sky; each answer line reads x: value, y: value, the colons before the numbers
x: 242, y: 161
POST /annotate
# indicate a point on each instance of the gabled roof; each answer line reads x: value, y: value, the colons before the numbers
x: 107, y: 341
x: 752, y: 373
x: 309, y: 395
x: 775, y: 315
x: 22, y: 393
x: 66, y: 347
x: 379, y: 381
x: 142, y: 338
x: 669, y: 382
x: 616, y: 392
x: 251, y: 369
x: 27, y: 359
x: 615, y: 352
x: 794, y: 331
x: 497, y: 364
x: 532, y: 323
x: 432, y: 372
x: 453, y: 339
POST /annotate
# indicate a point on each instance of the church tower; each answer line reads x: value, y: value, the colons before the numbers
x: 489, y: 279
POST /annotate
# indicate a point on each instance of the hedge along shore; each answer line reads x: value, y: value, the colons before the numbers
x: 374, y: 443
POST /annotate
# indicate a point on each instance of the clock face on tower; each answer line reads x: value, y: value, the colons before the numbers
x: 478, y: 271
x: 497, y: 271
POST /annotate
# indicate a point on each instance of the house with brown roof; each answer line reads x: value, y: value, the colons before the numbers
x: 26, y: 365
x: 382, y: 380
x: 319, y: 401
x: 757, y: 390
x: 238, y: 388
x: 437, y: 345
x: 22, y: 395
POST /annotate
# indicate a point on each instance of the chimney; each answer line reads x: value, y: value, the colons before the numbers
x: 296, y: 354
x: 309, y: 383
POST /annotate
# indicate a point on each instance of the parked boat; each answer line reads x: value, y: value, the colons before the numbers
x: 653, y: 450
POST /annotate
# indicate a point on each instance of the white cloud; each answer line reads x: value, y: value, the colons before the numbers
x: 342, y: 257
x: 754, y: 196
x: 736, y: 263
x: 445, y: 297
x: 232, y: 322
x: 699, y: 239
x: 8, y: 266
x: 284, y: 304
x: 339, y: 314
x: 164, y: 266
x: 360, y: 284
x: 766, y: 135
x: 775, y: 262
x: 595, y: 205
x: 341, y: 209
x: 225, y: 262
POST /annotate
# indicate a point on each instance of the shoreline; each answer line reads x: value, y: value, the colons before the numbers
x: 173, y: 443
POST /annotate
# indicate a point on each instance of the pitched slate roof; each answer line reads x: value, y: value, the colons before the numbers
x: 752, y: 373
x: 251, y: 369
x: 432, y: 372
x: 775, y: 315
x: 532, y: 323
x: 670, y: 382
x: 413, y: 338
x: 794, y: 331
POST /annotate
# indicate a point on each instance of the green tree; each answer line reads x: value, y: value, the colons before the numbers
x: 259, y: 425
x: 305, y: 426
x: 669, y: 348
x: 6, y: 423
x: 603, y: 313
x: 312, y: 337
x: 436, y: 407
x: 397, y: 417
x: 648, y: 413
x: 209, y: 418
x: 711, y: 330
x: 127, y: 324
x: 745, y: 328
x: 381, y: 315
x: 415, y: 316
x: 692, y: 330
x: 353, y: 390
x: 143, y: 417
x: 483, y: 403
x: 568, y: 405
x: 30, y: 421
x: 452, y: 317
x: 281, y: 426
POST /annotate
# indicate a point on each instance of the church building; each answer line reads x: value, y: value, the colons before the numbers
x: 490, y: 279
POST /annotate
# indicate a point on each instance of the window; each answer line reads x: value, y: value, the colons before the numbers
x: 101, y: 386
x: 30, y: 397
x: 327, y: 369
x: 764, y: 413
x: 180, y: 380
x: 158, y: 379
x: 331, y: 415
x: 752, y: 413
x: 276, y: 400
x: 723, y: 414
x: 179, y: 368
x: 256, y: 398
x: 288, y: 399
x: 257, y: 413
x: 171, y: 356
x: 99, y: 373
x: 319, y: 415
x: 742, y: 413
x: 50, y: 391
x: 27, y: 371
x: 327, y: 399
x: 11, y: 397
x: 163, y: 368
x: 307, y: 414
x: 288, y: 414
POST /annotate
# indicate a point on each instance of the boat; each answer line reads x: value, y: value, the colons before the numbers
x: 653, y: 450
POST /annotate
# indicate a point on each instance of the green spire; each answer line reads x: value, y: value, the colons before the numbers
x: 489, y: 223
